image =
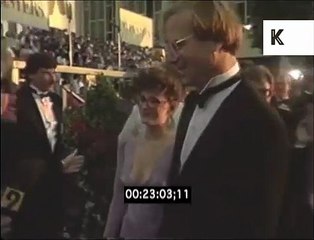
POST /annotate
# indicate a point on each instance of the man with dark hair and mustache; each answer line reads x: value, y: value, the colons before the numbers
x: 231, y: 147
x: 39, y: 121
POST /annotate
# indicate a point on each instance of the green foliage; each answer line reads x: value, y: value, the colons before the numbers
x: 94, y: 130
x: 100, y: 111
x: 277, y: 10
x: 71, y: 116
x: 101, y: 107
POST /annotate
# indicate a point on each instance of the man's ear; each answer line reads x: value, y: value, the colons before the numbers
x: 218, y: 47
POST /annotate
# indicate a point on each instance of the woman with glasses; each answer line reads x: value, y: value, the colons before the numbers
x: 145, y: 152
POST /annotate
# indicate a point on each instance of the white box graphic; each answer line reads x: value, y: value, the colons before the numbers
x: 297, y: 37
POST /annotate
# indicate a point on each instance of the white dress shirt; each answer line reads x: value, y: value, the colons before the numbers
x: 202, y: 116
x: 50, y: 126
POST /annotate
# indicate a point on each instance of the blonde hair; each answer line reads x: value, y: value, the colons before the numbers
x: 212, y: 20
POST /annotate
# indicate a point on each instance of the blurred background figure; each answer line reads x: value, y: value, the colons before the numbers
x: 244, y: 64
x: 297, y: 220
x: 8, y: 88
x: 9, y: 134
x: 78, y: 84
x: 297, y: 113
x: 86, y: 52
x: 262, y: 79
x: 282, y: 89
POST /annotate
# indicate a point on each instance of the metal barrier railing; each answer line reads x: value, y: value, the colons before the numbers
x: 18, y: 65
x: 90, y: 74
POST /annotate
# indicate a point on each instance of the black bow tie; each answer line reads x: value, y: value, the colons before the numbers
x: 200, y: 99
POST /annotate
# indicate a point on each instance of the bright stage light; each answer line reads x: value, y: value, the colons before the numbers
x: 248, y: 27
x: 296, y: 74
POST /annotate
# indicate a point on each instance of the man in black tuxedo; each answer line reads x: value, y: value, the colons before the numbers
x: 39, y: 120
x: 231, y: 147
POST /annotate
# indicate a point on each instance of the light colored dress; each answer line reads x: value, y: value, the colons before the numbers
x: 139, y: 220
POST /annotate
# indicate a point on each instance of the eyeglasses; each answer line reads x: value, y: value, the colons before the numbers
x: 151, y: 101
x: 178, y: 44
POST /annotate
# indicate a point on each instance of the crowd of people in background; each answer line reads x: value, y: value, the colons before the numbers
x: 86, y: 52
x: 243, y: 141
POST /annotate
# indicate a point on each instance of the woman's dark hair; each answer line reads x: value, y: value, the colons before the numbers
x: 163, y: 78
x: 258, y: 74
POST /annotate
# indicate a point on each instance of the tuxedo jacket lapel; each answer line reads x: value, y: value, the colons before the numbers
x: 186, y: 115
x: 213, y: 135
x: 30, y: 109
x: 183, y: 125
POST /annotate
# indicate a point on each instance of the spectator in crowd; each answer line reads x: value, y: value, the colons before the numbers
x: 26, y: 50
x: 144, y: 153
x: 263, y: 81
x: 8, y: 88
x: 297, y: 219
x: 9, y: 137
x: 86, y: 52
x: 282, y: 89
x: 77, y: 84
x: 245, y: 63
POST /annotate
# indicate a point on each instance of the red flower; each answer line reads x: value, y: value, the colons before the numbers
x: 79, y: 126
x: 97, y: 142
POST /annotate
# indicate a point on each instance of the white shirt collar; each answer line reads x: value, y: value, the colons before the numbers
x: 37, y: 90
x: 222, y: 77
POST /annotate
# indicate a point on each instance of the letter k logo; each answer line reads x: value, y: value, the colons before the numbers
x: 275, y: 37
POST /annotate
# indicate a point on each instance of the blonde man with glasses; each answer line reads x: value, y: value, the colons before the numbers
x: 230, y: 145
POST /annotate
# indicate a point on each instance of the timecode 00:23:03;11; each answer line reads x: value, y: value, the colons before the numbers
x: 152, y: 194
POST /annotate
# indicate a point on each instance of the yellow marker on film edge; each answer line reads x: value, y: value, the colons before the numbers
x: 12, y: 199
